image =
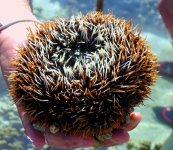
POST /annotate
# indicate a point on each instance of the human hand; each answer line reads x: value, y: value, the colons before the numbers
x: 16, y: 35
x: 166, y: 12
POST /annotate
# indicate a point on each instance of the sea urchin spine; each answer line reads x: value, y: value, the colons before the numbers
x: 83, y: 75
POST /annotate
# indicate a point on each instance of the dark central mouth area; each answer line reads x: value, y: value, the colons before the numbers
x: 69, y: 53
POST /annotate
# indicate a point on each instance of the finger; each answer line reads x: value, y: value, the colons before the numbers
x: 135, y: 118
x: 165, y: 9
x: 63, y: 141
x: 35, y: 136
x: 119, y: 136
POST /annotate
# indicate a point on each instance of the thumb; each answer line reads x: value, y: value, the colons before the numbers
x: 34, y: 135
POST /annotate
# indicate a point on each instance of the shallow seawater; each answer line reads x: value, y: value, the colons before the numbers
x: 145, y: 14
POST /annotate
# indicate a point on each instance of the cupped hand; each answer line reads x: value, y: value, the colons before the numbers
x: 15, y: 35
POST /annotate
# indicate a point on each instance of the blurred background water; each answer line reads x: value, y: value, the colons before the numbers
x: 151, y: 133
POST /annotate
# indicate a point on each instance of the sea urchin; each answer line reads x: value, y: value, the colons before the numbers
x: 84, y: 75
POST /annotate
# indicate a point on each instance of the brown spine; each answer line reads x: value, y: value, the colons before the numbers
x: 99, y: 5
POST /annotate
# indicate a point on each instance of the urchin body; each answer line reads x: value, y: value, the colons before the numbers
x: 84, y: 75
